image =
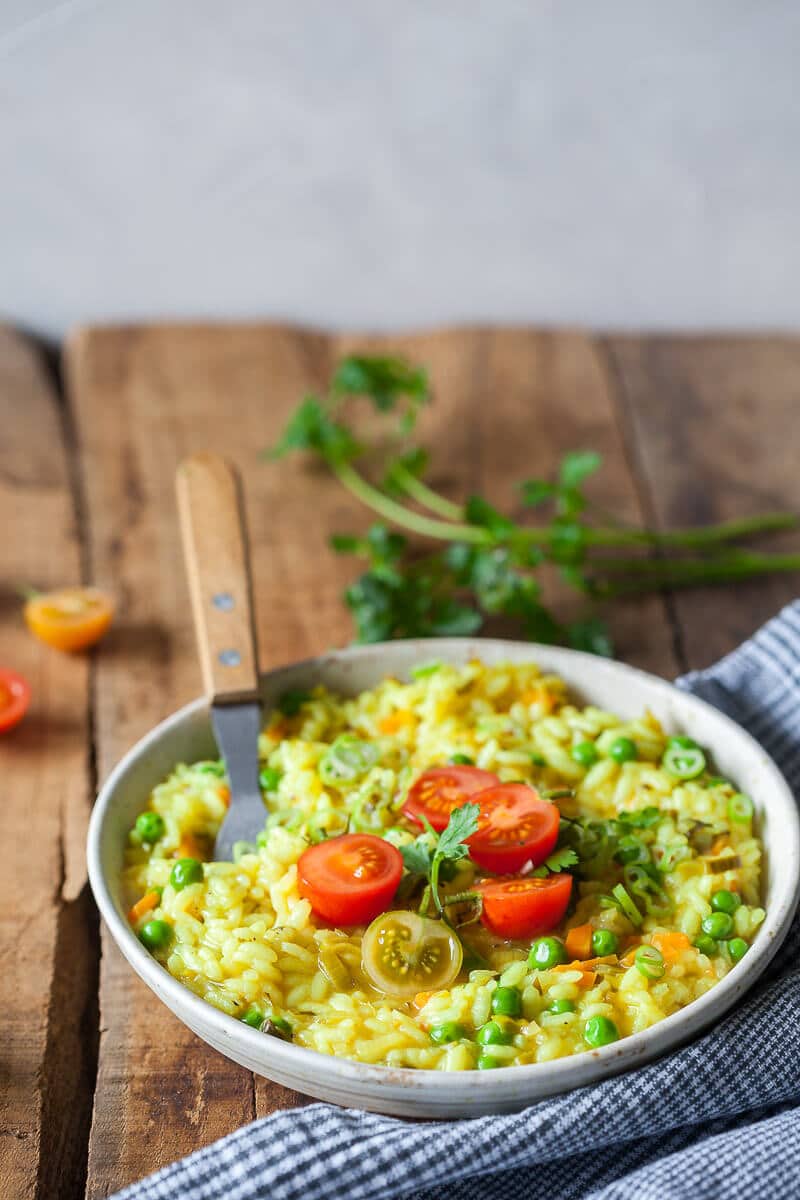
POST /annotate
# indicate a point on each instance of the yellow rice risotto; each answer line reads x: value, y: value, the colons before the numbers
x: 656, y: 856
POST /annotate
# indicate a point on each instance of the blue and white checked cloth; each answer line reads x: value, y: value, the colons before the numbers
x: 720, y: 1118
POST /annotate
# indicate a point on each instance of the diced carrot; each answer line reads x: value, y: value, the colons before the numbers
x: 396, y: 721
x: 193, y: 846
x: 586, y: 979
x: 670, y: 945
x: 587, y: 964
x: 277, y: 731
x: 421, y: 999
x: 719, y: 844
x: 578, y: 942
x: 146, y: 904
x: 539, y: 695
x: 224, y: 793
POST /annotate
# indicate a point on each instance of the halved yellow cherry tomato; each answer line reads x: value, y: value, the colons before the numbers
x: 71, y: 618
x: 403, y: 953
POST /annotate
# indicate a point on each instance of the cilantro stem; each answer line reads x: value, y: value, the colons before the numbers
x: 426, y: 496
x: 400, y: 515
x: 710, y: 535
x: 434, y: 886
x: 689, y: 574
x: 461, y: 897
x: 668, y: 566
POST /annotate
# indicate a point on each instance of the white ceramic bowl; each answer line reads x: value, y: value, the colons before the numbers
x: 187, y: 737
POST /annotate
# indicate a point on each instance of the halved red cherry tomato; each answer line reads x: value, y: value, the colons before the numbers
x: 349, y: 879
x: 524, y: 908
x: 15, y: 696
x: 515, y: 826
x: 441, y: 789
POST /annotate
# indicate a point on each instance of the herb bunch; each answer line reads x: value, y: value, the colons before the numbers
x: 491, y: 565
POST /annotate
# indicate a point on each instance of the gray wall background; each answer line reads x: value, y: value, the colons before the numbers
x: 620, y: 164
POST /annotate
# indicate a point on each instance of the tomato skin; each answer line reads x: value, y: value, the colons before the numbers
x: 15, y: 696
x: 436, y: 792
x: 69, y: 618
x: 327, y: 876
x: 515, y: 826
x: 524, y: 908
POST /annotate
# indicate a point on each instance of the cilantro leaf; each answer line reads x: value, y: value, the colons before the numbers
x: 384, y: 379
x: 417, y: 858
x: 567, y: 541
x: 535, y: 492
x: 311, y: 427
x: 346, y: 543
x: 577, y: 466
x: 462, y: 824
x: 591, y: 634
x: 479, y: 512
x: 558, y: 861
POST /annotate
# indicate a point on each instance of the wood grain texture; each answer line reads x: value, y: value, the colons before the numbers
x: 716, y: 425
x: 217, y: 560
x: 48, y: 928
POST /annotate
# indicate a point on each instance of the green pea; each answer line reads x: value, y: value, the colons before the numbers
x: 546, y: 952
x: 185, y: 871
x: 600, y: 1031
x: 718, y: 925
x: 585, y: 753
x: 737, y: 948
x: 254, y: 1016
x: 291, y: 702
x: 622, y: 750
x: 493, y: 1034
x: 684, y: 742
x: 725, y: 902
x: 507, y: 1002
x: 706, y: 945
x: 448, y: 1031
x: 155, y: 935
x: 487, y: 1062
x: 604, y: 942
x: 538, y: 760
x: 561, y: 1006
x: 269, y: 778
x: 150, y: 826
x: 462, y: 760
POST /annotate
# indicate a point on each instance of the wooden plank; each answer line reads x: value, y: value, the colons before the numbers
x: 162, y: 1093
x: 507, y: 404
x: 47, y: 922
x: 715, y: 422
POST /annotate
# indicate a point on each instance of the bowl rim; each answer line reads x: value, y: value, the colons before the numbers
x: 562, y: 1074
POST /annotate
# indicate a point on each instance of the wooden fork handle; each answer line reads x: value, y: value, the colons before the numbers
x: 211, y: 510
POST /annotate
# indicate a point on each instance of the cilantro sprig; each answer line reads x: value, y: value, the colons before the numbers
x: 492, y: 565
x: 433, y: 856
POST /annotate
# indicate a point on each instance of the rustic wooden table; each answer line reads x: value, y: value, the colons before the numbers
x: 100, y: 1083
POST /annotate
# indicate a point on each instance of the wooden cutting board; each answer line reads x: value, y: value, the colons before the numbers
x: 102, y: 1084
